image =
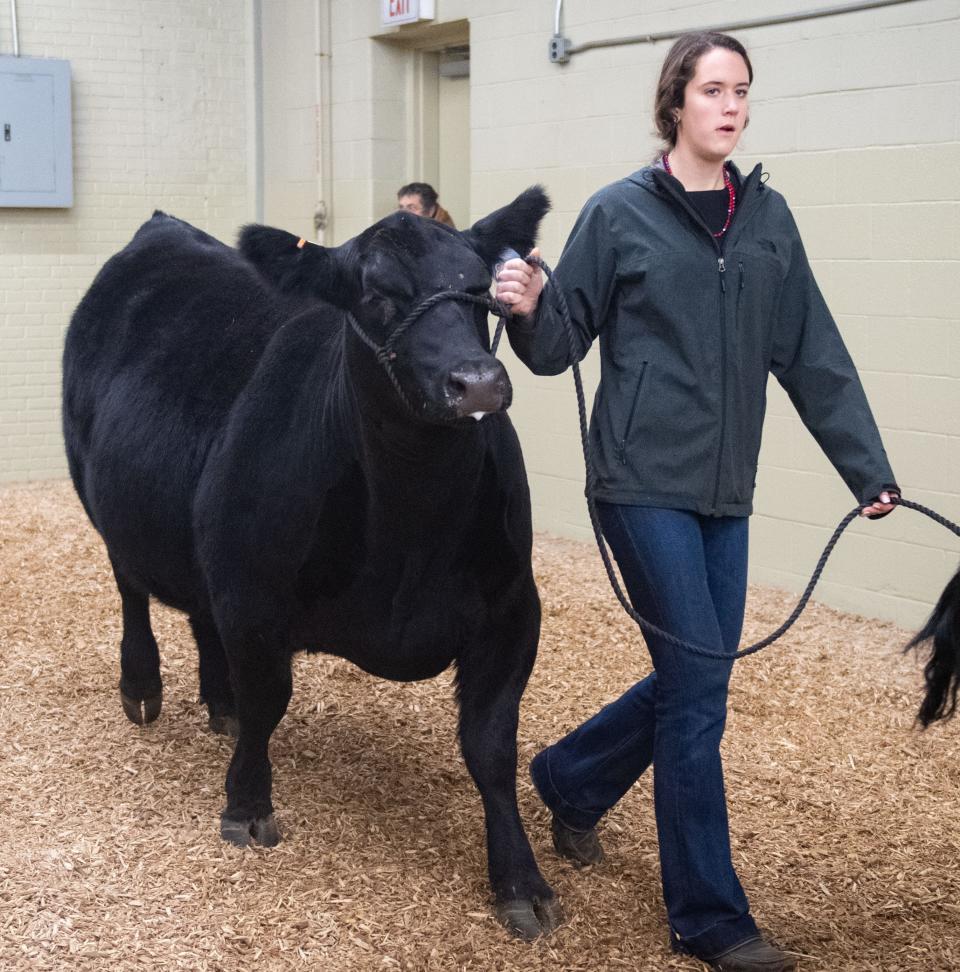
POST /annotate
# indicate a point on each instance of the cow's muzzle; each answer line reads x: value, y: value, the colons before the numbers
x: 477, y: 390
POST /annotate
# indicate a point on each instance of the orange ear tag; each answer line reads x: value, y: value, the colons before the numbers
x: 301, y: 243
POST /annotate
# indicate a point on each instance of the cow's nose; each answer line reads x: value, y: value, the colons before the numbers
x: 474, y: 390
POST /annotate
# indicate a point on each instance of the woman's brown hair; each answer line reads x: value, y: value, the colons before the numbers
x: 679, y: 66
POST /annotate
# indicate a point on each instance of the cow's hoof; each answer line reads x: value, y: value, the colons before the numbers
x: 529, y: 918
x: 141, y: 711
x: 253, y: 830
x: 225, y: 725
x: 223, y: 719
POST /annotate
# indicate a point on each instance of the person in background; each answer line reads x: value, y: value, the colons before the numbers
x: 421, y: 198
x: 695, y: 281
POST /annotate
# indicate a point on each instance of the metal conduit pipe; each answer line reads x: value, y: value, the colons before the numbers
x: 16, y: 30
x: 561, y: 49
x: 258, y: 148
x: 322, y: 229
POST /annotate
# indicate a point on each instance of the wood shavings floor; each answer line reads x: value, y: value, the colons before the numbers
x: 845, y: 818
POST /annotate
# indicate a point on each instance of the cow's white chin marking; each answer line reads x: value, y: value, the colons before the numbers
x: 478, y: 415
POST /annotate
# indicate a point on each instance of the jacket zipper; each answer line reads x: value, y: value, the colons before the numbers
x: 621, y: 450
x: 722, y: 269
x: 751, y: 207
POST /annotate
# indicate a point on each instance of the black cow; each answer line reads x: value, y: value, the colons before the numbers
x: 248, y: 459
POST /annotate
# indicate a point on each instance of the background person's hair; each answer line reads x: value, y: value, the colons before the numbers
x: 426, y: 192
x: 679, y: 66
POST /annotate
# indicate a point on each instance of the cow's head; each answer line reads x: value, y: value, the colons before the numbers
x: 443, y: 366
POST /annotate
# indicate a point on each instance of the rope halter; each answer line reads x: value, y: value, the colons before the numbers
x: 386, y: 353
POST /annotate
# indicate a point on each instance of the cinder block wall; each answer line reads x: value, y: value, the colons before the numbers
x: 161, y: 110
x: 856, y: 119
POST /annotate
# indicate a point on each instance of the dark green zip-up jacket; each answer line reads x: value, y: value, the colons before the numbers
x: 688, y: 334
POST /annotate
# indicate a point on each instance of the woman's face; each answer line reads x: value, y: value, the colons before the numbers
x: 714, y: 111
x: 413, y: 204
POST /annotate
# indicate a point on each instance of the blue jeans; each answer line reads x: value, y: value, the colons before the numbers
x: 688, y: 575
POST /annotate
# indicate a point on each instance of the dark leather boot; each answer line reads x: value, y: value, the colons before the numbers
x: 753, y: 955
x: 581, y: 847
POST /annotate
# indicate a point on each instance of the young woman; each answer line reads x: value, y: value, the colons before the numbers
x: 696, y: 283
x: 421, y: 198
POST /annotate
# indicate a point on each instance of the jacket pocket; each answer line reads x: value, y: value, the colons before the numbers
x: 621, y: 449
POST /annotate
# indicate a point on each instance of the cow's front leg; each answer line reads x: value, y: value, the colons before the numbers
x: 262, y: 686
x: 492, y: 675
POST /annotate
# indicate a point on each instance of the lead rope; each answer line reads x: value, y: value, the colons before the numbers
x: 646, y: 626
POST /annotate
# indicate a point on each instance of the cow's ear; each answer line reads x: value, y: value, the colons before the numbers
x: 514, y: 227
x: 294, y: 266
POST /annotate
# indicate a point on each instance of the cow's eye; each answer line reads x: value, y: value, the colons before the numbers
x: 381, y: 309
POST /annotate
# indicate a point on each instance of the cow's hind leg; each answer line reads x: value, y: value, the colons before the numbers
x: 141, y: 688
x: 215, y: 689
x: 490, y: 683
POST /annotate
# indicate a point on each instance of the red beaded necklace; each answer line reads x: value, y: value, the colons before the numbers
x: 727, y: 184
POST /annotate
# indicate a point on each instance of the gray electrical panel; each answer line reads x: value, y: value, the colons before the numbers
x: 36, y: 148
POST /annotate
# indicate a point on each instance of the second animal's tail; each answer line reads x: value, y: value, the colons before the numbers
x: 942, y: 671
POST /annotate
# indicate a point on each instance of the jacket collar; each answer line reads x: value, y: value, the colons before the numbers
x: 655, y: 178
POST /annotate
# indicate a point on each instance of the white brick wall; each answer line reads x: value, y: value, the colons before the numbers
x: 160, y: 120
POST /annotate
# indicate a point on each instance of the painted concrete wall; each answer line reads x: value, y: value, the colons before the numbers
x: 161, y: 102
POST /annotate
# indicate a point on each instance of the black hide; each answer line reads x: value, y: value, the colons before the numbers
x: 247, y: 460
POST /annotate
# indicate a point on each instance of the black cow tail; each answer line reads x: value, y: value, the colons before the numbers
x: 942, y: 671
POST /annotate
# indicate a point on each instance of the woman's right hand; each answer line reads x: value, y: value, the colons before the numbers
x: 519, y: 285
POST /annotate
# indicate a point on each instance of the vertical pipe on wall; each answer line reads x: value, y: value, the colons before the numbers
x: 322, y: 219
x: 16, y: 30
x: 257, y: 122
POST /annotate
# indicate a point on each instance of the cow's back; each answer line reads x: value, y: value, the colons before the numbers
x: 158, y: 350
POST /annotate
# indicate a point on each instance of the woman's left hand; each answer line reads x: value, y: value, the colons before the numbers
x: 881, y: 505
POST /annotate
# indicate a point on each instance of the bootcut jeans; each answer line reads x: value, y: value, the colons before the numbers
x: 687, y: 574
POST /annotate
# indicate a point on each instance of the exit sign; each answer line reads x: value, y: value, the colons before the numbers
x: 405, y: 11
